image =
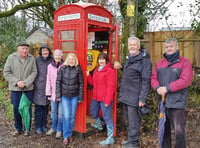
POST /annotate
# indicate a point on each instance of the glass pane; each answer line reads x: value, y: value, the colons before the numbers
x: 67, y: 35
x: 65, y: 55
x: 67, y: 46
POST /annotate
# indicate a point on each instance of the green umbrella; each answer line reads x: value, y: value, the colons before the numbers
x: 24, y: 106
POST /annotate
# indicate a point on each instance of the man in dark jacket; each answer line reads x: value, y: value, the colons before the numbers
x: 134, y: 88
x: 171, y: 77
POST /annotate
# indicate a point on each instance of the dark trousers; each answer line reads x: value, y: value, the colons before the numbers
x: 106, y: 110
x: 132, y: 118
x: 41, y: 112
x: 15, y: 100
x: 175, y: 118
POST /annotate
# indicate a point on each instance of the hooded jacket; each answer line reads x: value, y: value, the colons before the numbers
x: 136, y: 77
x: 52, y: 71
x: 103, y: 82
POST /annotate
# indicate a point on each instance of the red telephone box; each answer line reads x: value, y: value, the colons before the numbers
x: 73, y: 25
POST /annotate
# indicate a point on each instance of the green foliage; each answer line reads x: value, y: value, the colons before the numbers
x: 13, y: 30
x: 194, y: 94
x: 196, y: 26
x: 6, y: 104
x: 195, y: 86
x: 125, y: 30
x: 140, y: 17
x: 150, y: 121
x: 194, y: 100
x: 140, y: 20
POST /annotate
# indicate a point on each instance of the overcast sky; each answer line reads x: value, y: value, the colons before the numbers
x: 180, y: 17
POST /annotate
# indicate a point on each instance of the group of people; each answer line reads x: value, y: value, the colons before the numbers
x: 45, y: 80
x: 49, y: 79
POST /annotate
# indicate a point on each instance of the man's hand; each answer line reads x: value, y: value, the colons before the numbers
x: 87, y: 73
x: 141, y: 104
x: 162, y: 90
x: 21, y: 84
x: 117, y: 65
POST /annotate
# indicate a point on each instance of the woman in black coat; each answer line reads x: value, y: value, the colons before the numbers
x: 69, y: 89
x: 39, y: 98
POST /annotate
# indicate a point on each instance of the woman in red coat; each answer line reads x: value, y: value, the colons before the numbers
x: 103, y: 91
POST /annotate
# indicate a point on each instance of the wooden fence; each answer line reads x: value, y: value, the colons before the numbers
x: 189, y: 45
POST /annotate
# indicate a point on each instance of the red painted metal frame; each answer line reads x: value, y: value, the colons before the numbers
x: 83, y: 25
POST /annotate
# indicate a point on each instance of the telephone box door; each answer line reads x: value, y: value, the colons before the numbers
x: 70, y: 40
x: 113, y: 56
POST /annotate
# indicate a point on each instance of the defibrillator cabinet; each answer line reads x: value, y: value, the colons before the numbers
x: 86, y: 30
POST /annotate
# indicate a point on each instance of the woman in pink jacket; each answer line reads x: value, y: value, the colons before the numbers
x: 56, y: 108
x: 103, y: 91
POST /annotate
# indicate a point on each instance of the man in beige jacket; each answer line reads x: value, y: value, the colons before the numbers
x: 20, y: 71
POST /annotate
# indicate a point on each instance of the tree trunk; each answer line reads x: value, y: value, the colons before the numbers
x: 131, y: 9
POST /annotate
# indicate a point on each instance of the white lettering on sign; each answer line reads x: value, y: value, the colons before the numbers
x: 98, y: 18
x: 69, y: 17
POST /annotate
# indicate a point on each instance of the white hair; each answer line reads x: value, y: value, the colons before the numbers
x: 134, y: 38
x: 58, y: 52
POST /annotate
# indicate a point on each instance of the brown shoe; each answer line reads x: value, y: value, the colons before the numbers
x: 16, y: 133
x: 71, y: 139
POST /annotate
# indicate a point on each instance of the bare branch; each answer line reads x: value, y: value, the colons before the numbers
x: 22, y: 7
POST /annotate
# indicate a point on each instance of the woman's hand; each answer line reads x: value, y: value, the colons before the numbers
x: 58, y: 99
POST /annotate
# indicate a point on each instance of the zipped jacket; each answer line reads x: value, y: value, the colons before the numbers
x: 176, y: 76
x: 52, y: 71
x: 136, y: 78
x: 70, y: 82
x: 103, y: 82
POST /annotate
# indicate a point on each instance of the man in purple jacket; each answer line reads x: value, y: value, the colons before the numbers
x: 171, y: 77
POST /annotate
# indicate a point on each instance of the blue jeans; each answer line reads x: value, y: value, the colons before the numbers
x: 69, y: 106
x: 106, y: 110
x: 56, y: 116
x: 41, y: 112
x: 15, y: 100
